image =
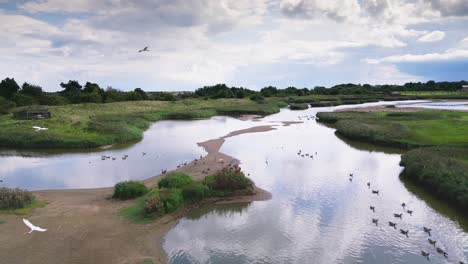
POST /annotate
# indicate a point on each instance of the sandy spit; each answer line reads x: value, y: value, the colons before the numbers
x: 83, y: 225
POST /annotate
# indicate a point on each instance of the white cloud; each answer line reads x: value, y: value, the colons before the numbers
x: 451, y: 54
x: 432, y: 36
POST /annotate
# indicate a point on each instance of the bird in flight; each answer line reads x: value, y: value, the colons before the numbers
x: 33, y: 227
x: 144, y: 49
x: 37, y: 128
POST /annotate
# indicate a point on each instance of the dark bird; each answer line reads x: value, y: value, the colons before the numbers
x: 403, y: 205
x: 144, y: 153
x: 375, y: 221
x: 425, y: 254
x: 427, y: 230
x: 398, y: 215
x: 441, y: 251
x: 372, y: 208
x: 144, y: 49
x: 404, y: 232
x: 392, y: 224
x: 375, y: 192
x: 432, y: 242
x: 351, y: 175
x: 410, y: 212
x: 368, y: 184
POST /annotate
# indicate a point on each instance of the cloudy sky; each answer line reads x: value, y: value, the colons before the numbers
x: 250, y: 43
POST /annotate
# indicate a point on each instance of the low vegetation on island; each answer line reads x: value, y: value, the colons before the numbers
x: 17, y: 201
x: 437, y: 142
x: 177, y: 190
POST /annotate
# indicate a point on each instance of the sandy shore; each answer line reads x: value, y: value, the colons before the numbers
x: 83, y: 226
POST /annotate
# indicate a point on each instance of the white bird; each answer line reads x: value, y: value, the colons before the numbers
x: 37, y: 128
x: 33, y: 227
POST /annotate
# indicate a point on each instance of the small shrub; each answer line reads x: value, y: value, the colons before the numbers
x: 175, y: 180
x: 302, y: 106
x: 153, y: 204
x: 129, y: 190
x: 229, y: 179
x: 172, y: 199
x: 15, y: 198
x: 195, y: 192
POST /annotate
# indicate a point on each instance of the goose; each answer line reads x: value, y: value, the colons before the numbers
x: 392, y: 224
x: 410, y: 212
x: 368, y: 184
x: 398, y: 215
x: 144, y: 49
x: 404, y: 232
x: 432, y: 242
x: 372, y: 208
x: 33, y: 227
x: 375, y: 221
x: 425, y: 254
x: 427, y: 230
x: 441, y: 251
x: 375, y: 192
x: 403, y: 205
x: 351, y: 175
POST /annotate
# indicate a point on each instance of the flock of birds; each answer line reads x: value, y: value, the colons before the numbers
x: 403, y: 231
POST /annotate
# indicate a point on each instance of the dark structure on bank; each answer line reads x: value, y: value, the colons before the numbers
x: 32, y: 114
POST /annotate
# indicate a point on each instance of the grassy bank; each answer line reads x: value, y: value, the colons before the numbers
x: 438, y: 143
x: 94, y: 125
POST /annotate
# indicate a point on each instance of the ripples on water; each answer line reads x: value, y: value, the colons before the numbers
x: 316, y: 215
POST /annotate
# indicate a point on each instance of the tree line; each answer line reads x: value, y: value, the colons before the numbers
x: 12, y: 95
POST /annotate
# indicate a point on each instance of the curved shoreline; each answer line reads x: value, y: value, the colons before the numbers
x: 84, y: 225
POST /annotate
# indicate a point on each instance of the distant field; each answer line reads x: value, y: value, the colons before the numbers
x: 435, y: 93
x: 94, y: 125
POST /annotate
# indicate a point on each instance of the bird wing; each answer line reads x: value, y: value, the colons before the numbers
x: 40, y: 229
x: 36, y: 127
x: 146, y: 48
x: 26, y: 222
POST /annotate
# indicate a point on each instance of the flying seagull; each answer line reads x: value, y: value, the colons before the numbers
x: 33, y: 227
x: 37, y: 128
x: 144, y: 49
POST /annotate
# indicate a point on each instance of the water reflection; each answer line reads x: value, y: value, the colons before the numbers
x: 316, y: 215
x: 166, y: 144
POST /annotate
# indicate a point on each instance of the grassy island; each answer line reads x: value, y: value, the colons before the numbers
x: 437, y: 141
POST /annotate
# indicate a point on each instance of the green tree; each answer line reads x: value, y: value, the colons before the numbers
x: 8, y: 87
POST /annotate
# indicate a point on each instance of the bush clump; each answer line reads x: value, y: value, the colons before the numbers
x: 175, y: 180
x: 442, y: 170
x: 301, y: 106
x: 129, y: 190
x: 228, y: 180
x: 153, y: 204
x: 171, y: 199
x: 15, y: 198
x: 195, y: 192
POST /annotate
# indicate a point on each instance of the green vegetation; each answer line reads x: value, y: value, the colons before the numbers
x: 129, y: 190
x: 94, y: 125
x: 15, y: 198
x: 442, y: 170
x: 438, y: 159
x: 227, y: 181
x: 195, y: 192
x: 18, y: 201
x: 402, y: 129
x: 180, y: 192
x: 174, y: 180
x: 299, y: 106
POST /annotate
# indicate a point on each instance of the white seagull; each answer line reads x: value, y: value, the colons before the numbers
x: 37, y: 128
x: 33, y: 227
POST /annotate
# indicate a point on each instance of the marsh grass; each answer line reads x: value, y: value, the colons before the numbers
x: 174, y: 180
x: 129, y: 190
x: 93, y: 125
x: 299, y: 106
